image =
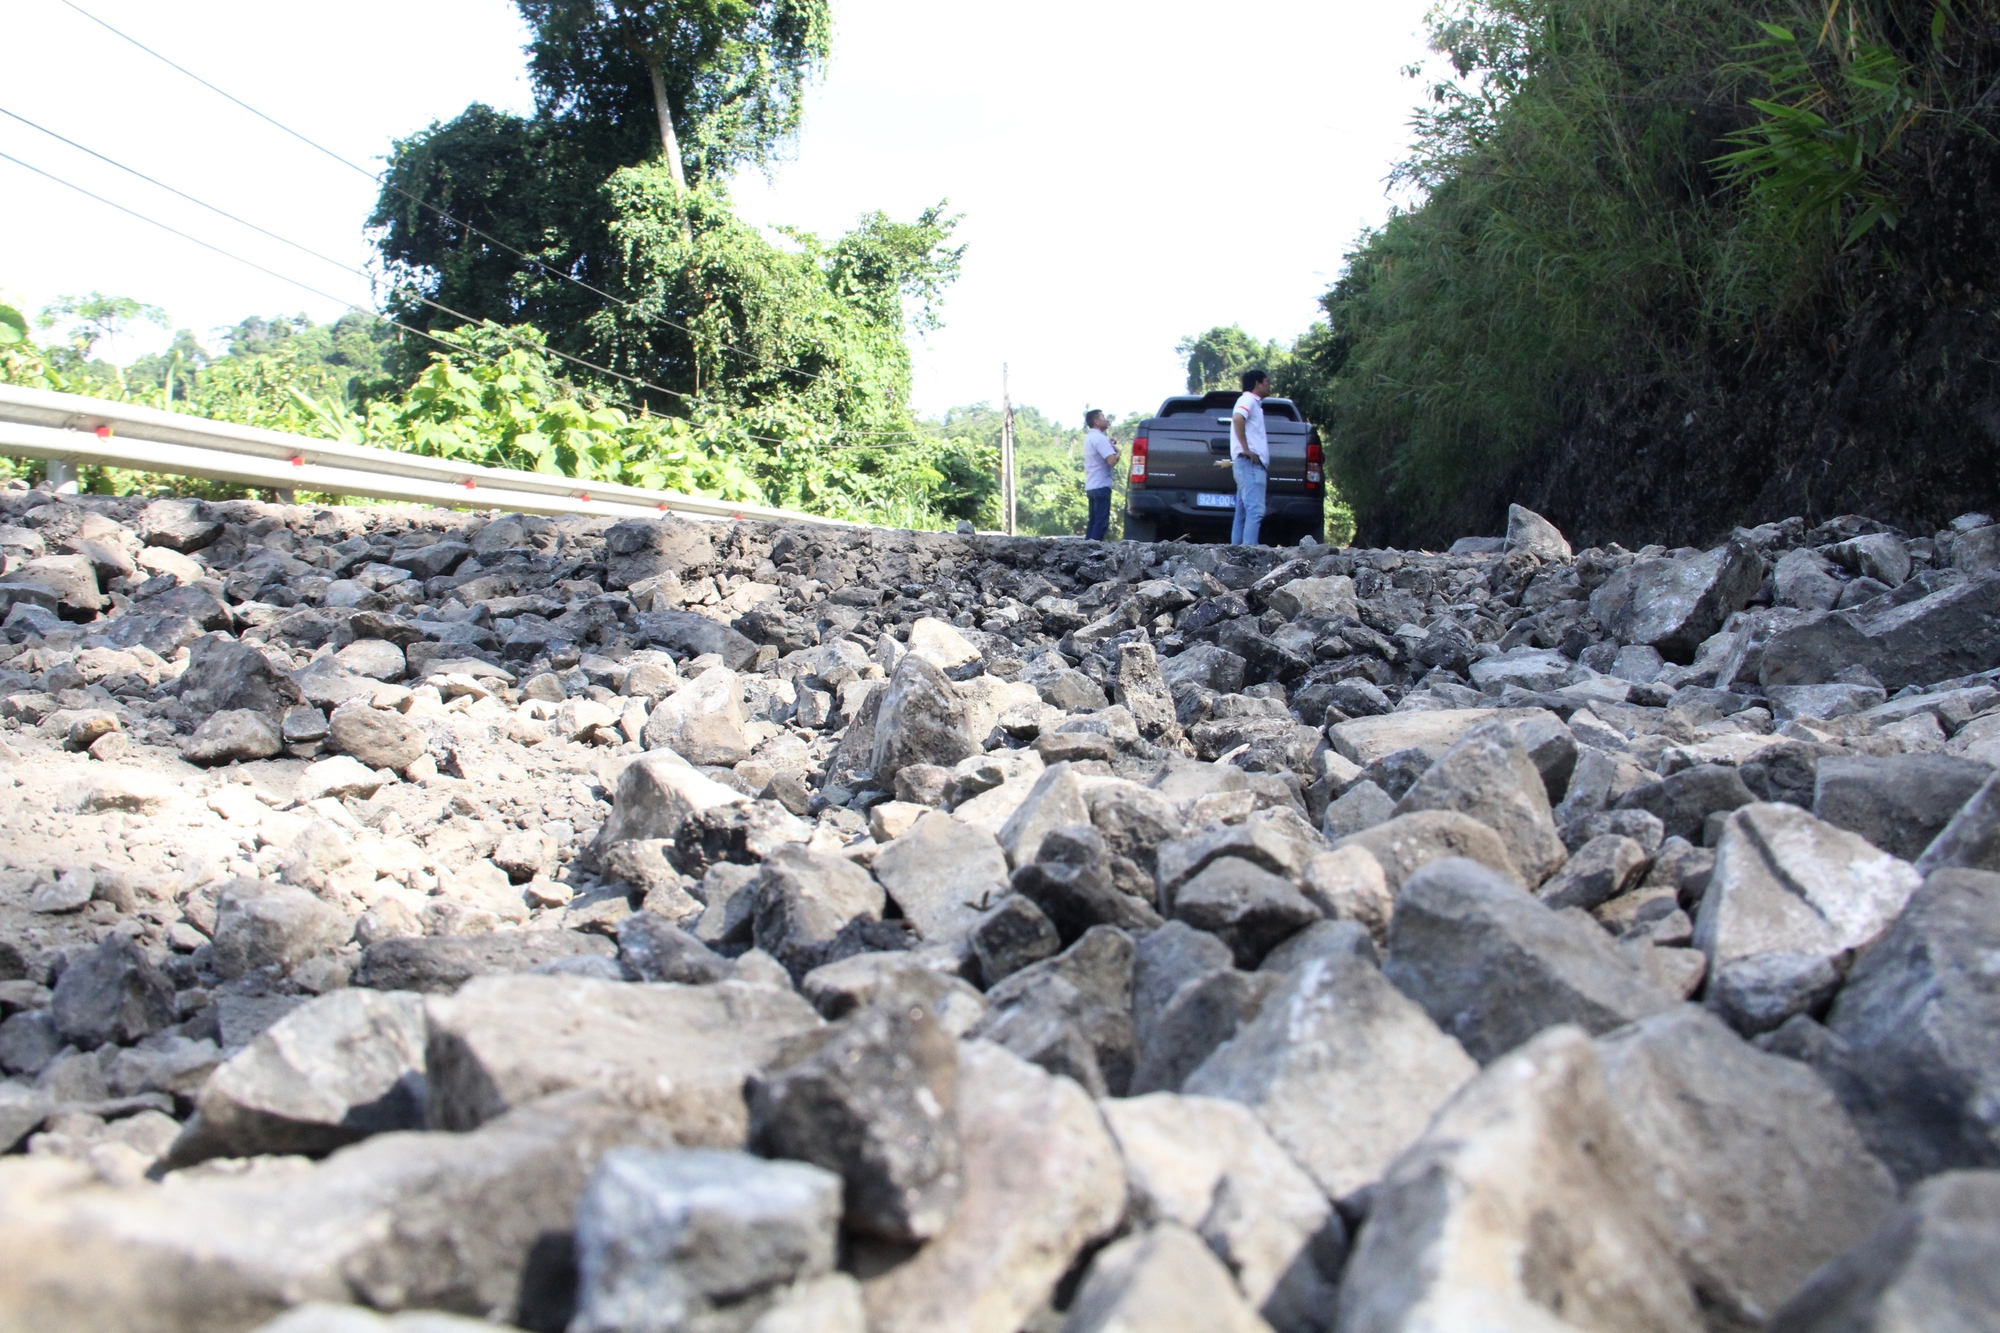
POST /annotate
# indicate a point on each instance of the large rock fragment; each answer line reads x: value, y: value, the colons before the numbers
x: 1406, y: 844
x: 1683, y: 801
x: 1530, y: 532
x: 1343, y: 1070
x: 1245, y: 906
x: 1881, y: 556
x: 1918, y: 1026
x: 177, y: 525
x: 804, y: 900
x: 70, y: 579
x: 874, y: 1099
x: 1144, y: 693
x: 703, y: 721
x: 1071, y: 1014
x: 1164, y: 961
x: 695, y: 635
x: 1368, y: 739
x: 656, y: 796
x: 1953, y: 632
x: 1805, y: 579
x: 233, y: 736
x: 1791, y: 899
x: 331, y: 1072
x: 1489, y: 775
x: 652, y: 948
x: 1348, y: 884
x: 645, y: 548
x: 259, y: 924
x: 1163, y: 1280
x: 478, y: 1224
x: 1211, y: 1166
x: 225, y: 674
x: 671, y: 1241
x: 898, y: 976
x: 943, y: 874
x: 679, y: 1053
x: 1674, y: 604
x: 1078, y: 883
x: 112, y: 993
x: 940, y: 644
x: 1493, y: 967
x: 1055, y: 801
x: 1526, y: 1205
x: 1602, y: 869
x: 1899, y: 803
x: 1971, y: 841
x: 1010, y: 936
x: 1763, y: 1175
x: 1042, y: 1181
x: 1928, y: 1267
x: 1276, y: 840
x: 440, y: 964
x: 1200, y: 1016
x: 921, y: 720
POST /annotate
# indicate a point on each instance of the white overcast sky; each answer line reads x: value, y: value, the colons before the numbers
x: 1130, y: 172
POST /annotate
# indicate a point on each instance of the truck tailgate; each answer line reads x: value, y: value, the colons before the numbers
x: 1192, y: 453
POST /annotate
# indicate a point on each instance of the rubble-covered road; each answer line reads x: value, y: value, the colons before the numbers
x: 724, y: 927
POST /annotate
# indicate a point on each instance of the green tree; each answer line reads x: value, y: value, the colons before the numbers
x: 722, y: 79
x: 587, y: 222
x: 705, y: 85
x: 1215, y: 358
x: 715, y: 306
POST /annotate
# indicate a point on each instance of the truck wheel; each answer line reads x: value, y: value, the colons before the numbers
x: 1141, y: 529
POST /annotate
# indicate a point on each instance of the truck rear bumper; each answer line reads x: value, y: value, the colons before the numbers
x: 1180, y: 507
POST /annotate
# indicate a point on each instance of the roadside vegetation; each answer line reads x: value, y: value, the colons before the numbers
x: 1658, y: 247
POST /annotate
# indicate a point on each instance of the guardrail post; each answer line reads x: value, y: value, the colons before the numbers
x: 62, y: 476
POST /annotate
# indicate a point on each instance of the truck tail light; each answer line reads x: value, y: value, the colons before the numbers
x: 1315, y: 463
x: 1138, y: 477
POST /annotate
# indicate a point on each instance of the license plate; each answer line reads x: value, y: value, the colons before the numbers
x: 1210, y: 500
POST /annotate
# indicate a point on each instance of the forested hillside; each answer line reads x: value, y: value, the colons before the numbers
x: 1678, y: 264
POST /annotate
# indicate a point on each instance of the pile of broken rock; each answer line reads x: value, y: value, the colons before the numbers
x: 408, y: 916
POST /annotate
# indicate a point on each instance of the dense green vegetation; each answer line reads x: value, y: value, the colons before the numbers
x: 494, y: 396
x: 603, y: 221
x: 1640, y: 216
x: 500, y: 402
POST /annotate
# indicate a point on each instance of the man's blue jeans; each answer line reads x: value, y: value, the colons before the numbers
x: 1250, y: 483
x: 1100, y: 514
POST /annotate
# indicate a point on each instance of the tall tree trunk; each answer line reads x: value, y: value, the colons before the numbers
x: 670, y: 142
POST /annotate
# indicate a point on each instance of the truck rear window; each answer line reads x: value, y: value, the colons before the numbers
x: 1220, y: 402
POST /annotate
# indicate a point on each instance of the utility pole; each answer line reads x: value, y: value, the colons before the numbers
x: 1006, y: 453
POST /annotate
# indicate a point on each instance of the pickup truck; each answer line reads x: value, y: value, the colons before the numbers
x: 1181, y: 486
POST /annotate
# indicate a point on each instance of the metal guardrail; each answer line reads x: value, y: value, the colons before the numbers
x: 63, y: 427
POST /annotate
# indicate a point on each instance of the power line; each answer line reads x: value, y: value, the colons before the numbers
x: 159, y: 184
x: 379, y: 179
x: 363, y: 274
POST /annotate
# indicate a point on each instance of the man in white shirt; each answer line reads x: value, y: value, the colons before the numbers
x: 1249, y: 457
x: 1100, y: 456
